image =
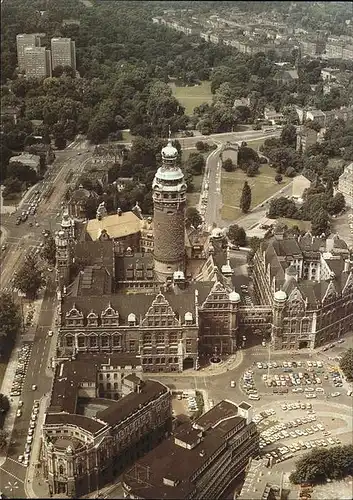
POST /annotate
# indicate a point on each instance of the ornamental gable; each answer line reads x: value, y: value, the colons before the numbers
x: 160, y: 308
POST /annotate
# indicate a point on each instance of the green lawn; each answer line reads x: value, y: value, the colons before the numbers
x: 191, y: 97
x: 262, y: 187
x: 256, y: 143
x: 303, y: 225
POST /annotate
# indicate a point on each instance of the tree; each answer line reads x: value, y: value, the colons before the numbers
x: 193, y: 217
x: 245, y: 199
x: 329, y: 188
x: 3, y: 439
x: 346, y: 364
x: 49, y: 250
x: 252, y: 170
x: 322, y: 464
x: 247, y: 156
x: 4, y: 403
x: 278, y: 178
x: 10, y: 320
x: 200, y: 145
x: 60, y: 142
x: 196, y: 162
x: 23, y: 173
x: 336, y: 204
x: 289, y: 136
x: 237, y: 235
x: 12, y: 186
x: 282, y: 207
x: 320, y: 223
x: 290, y: 172
x: 228, y: 165
x: 29, y: 278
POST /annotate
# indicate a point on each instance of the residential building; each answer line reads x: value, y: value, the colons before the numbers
x: 78, y: 202
x: 306, y: 137
x: 309, y: 283
x: 63, y: 52
x: 316, y: 115
x: 101, y: 417
x: 29, y: 160
x: 25, y: 40
x: 334, y: 50
x: 345, y: 184
x: 200, y: 459
x: 329, y: 74
x: 273, y: 116
x: 37, y: 62
x: 43, y: 151
x: 287, y: 76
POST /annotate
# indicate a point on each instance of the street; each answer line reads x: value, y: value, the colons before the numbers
x: 22, y: 238
x: 211, y: 187
x: 36, y: 374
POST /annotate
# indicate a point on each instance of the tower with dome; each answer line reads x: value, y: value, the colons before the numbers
x: 169, y: 203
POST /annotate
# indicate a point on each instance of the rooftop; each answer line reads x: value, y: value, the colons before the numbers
x: 117, y: 226
x: 172, y: 464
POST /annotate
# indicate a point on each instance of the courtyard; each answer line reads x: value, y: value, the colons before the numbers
x: 263, y: 186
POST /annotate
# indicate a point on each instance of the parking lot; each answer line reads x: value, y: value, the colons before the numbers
x: 312, y: 379
x: 297, y: 427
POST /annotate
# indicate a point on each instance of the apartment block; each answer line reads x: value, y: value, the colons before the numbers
x: 37, y: 62
x: 23, y: 41
x: 63, y: 52
x: 200, y: 459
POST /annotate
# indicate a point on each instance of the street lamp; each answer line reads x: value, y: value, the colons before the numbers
x: 11, y: 486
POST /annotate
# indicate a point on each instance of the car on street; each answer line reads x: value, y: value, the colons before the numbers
x: 34, y: 387
x: 18, y: 413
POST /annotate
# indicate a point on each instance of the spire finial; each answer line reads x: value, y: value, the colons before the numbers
x: 169, y: 135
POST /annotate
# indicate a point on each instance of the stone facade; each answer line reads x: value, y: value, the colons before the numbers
x: 169, y: 199
x: 308, y: 282
x: 81, y: 453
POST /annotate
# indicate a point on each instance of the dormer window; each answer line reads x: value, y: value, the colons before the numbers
x: 110, y: 317
x: 131, y: 319
x: 188, y: 318
x: 74, y: 317
x: 92, y: 319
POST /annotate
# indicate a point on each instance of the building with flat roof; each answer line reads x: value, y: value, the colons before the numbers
x: 63, y: 52
x: 200, y: 459
x: 101, y: 417
x: 25, y: 40
x: 345, y: 184
x: 37, y: 62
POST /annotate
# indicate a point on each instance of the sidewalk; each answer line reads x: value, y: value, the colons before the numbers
x: 6, y: 389
x: 35, y: 485
x: 3, y: 235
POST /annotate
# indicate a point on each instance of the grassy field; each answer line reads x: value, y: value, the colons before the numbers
x: 303, y: 225
x: 193, y: 198
x: 191, y: 97
x: 262, y: 187
x: 256, y: 143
